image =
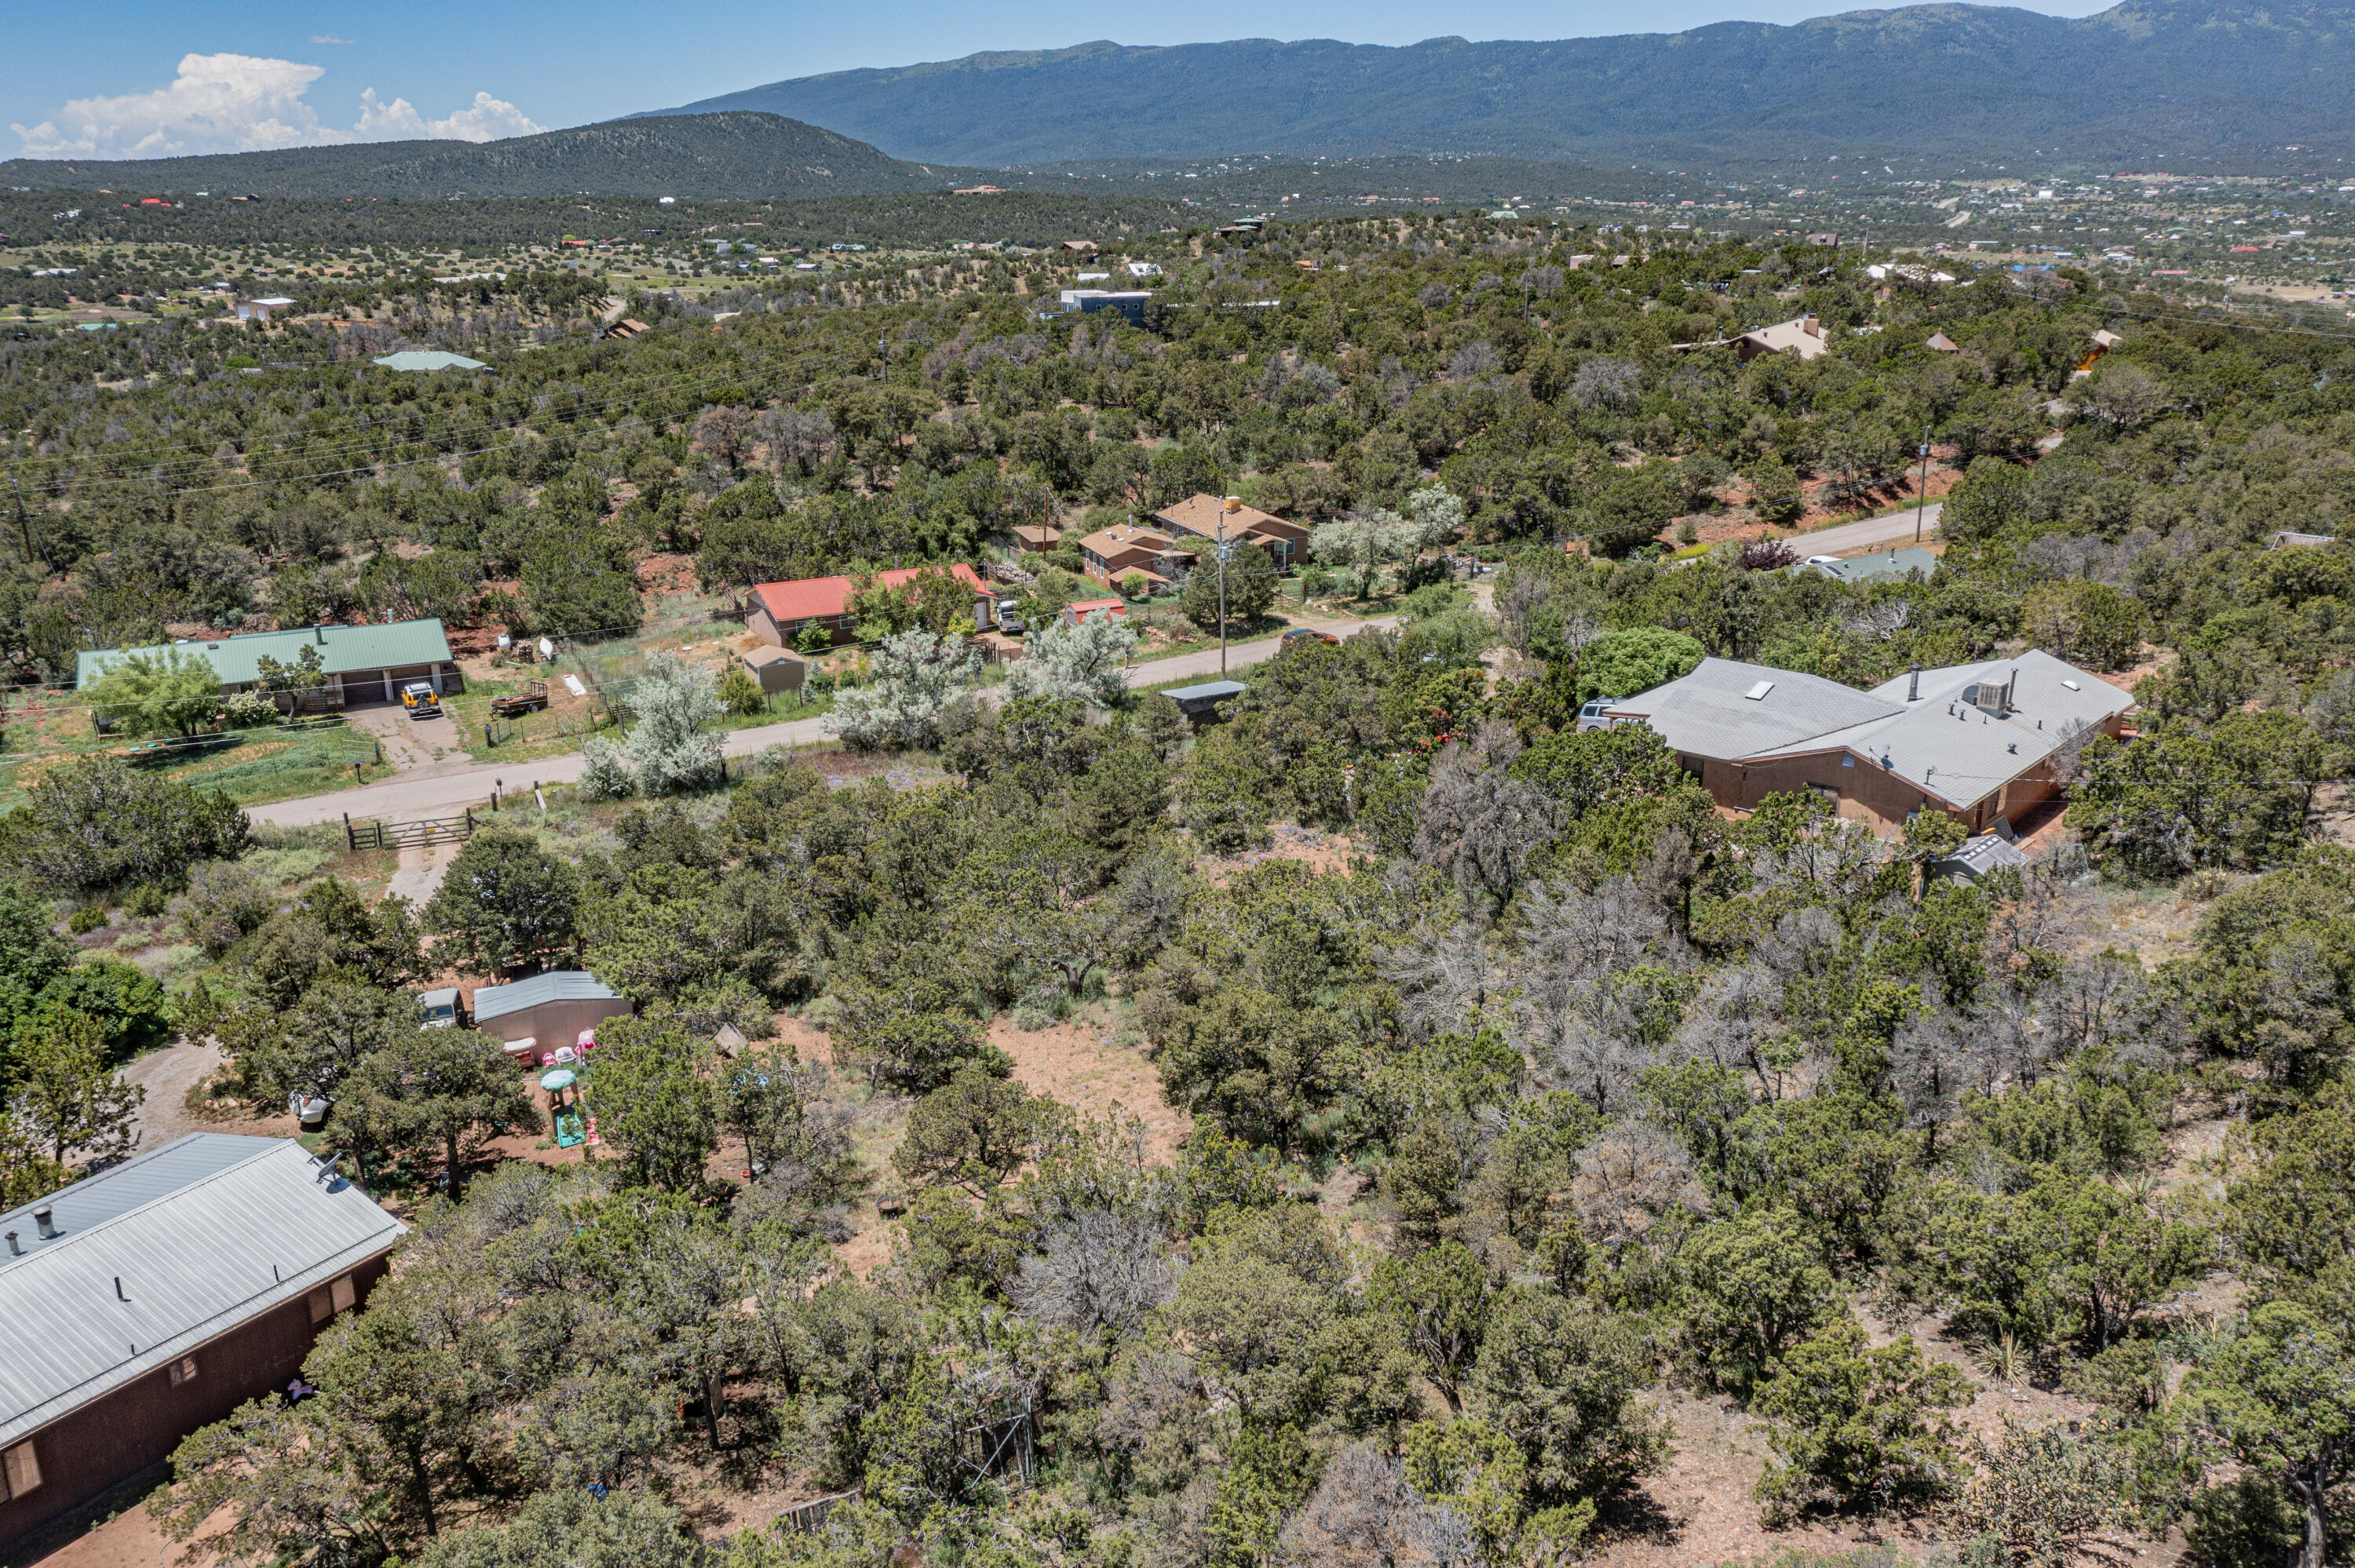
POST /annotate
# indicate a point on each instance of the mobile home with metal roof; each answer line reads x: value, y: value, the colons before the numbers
x: 157, y: 1295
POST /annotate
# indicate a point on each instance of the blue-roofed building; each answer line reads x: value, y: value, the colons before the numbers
x: 157, y: 1295
x: 362, y: 664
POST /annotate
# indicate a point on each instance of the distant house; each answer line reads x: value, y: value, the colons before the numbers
x: 1128, y: 303
x: 533, y: 1017
x: 1881, y: 567
x: 976, y: 190
x: 783, y: 611
x: 1974, y: 741
x: 362, y: 664
x: 262, y: 310
x: 2287, y: 539
x: 428, y: 359
x: 1039, y: 537
x: 1079, y: 611
x: 1109, y: 555
x: 1286, y: 543
x: 1803, y: 335
x: 1084, y: 247
x: 1942, y: 343
x: 1145, y: 270
x: 157, y: 1295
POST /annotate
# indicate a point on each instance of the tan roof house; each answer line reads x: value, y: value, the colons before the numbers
x: 1112, y: 554
x: 1804, y: 337
x: 1286, y: 542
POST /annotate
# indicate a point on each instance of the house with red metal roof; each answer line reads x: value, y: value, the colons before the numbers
x: 783, y: 611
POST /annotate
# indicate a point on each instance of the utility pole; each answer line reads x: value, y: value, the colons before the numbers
x: 24, y: 518
x: 1922, y: 501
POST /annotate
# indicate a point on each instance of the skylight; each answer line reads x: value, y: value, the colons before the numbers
x: 2073, y: 685
x: 1760, y: 690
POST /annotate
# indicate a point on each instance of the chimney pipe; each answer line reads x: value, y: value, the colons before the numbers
x: 119, y: 1295
x: 1813, y: 326
x: 41, y: 1219
x: 16, y: 1248
x: 1913, y: 690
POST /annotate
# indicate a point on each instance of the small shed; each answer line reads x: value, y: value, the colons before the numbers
x: 1079, y: 611
x: 1980, y: 857
x: 545, y: 1011
x: 1201, y: 704
x: 262, y: 310
x: 2290, y: 539
x: 776, y: 669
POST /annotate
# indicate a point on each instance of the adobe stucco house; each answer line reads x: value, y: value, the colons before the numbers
x: 1975, y: 741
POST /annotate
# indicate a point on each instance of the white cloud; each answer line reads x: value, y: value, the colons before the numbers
x: 238, y: 103
x: 487, y: 120
x: 327, y: 39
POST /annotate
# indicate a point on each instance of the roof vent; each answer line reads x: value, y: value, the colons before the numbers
x: 2073, y: 685
x: 1759, y: 691
x: 16, y: 1248
x: 42, y: 1220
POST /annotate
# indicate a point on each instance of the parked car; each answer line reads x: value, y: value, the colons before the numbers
x: 1010, y: 618
x: 422, y: 701
x: 1590, y: 713
x: 1300, y: 635
x: 439, y: 1008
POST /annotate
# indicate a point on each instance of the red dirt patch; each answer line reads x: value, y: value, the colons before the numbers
x: 1082, y: 1063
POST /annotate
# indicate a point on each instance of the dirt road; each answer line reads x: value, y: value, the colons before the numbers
x: 1840, y: 536
x: 443, y: 793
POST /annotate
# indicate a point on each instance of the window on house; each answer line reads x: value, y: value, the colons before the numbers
x: 183, y: 1370
x: 342, y: 1293
x: 20, y: 1472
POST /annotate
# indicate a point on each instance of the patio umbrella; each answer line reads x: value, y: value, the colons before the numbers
x: 559, y: 1079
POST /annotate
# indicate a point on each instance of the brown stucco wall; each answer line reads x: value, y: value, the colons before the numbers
x: 553, y: 1023
x: 1867, y: 794
x: 106, y: 1442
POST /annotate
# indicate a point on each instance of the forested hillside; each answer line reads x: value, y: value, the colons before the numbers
x: 2151, y: 81
x: 1386, y: 1125
x: 728, y: 155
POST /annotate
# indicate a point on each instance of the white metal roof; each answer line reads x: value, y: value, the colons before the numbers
x: 192, y: 1264
x: 553, y: 985
x: 119, y: 1189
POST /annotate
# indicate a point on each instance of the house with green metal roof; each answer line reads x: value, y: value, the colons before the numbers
x: 362, y: 664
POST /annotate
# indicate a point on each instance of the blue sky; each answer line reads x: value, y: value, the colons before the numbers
x: 149, y: 77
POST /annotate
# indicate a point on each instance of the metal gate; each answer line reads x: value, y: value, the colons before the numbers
x: 380, y: 834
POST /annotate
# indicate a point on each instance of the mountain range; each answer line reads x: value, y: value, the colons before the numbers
x: 2144, y: 79
x: 734, y: 153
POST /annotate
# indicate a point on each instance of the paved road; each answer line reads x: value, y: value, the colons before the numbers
x: 1898, y: 527
x: 445, y: 789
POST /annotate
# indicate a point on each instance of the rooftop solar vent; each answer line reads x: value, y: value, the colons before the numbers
x: 2073, y: 685
x: 1760, y: 690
